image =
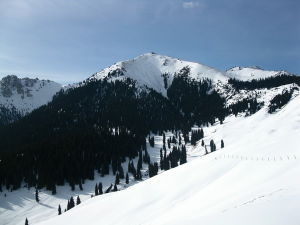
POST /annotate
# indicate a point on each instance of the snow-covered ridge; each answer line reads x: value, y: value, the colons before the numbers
x: 148, y: 69
x: 26, y: 94
x: 250, y: 73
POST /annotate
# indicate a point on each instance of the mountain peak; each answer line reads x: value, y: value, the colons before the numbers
x: 26, y: 94
x: 149, y: 70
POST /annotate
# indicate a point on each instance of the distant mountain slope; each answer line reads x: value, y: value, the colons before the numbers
x: 250, y: 73
x: 25, y: 94
x: 157, y: 71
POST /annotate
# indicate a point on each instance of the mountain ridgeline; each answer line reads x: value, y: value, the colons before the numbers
x: 94, y: 126
x: 19, y: 96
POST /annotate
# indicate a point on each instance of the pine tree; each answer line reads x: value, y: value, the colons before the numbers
x: 100, y: 191
x: 72, y: 203
x: 164, y: 138
x: 26, y: 222
x: 179, y: 142
x: 153, y: 169
x: 115, y: 188
x: 138, y: 175
x: 78, y: 200
x: 222, y: 143
x: 54, y: 190
x: 117, y: 180
x: 183, y: 155
x: 37, y: 195
x: 68, y: 205
x: 121, y: 171
x: 59, y: 210
x: 151, y: 141
x: 202, y: 143
x: 212, y: 146
x: 80, y: 186
x: 127, y: 178
x: 108, y: 189
x: 96, y: 189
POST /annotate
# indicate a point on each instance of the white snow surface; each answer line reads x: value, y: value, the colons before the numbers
x: 147, y: 70
x: 39, y: 92
x: 250, y: 73
x: 253, y: 180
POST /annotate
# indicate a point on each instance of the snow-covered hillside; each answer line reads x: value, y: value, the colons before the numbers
x: 25, y: 94
x: 253, y: 180
x: 148, y: 70
x: 250, y: 73
x: 252, y: 175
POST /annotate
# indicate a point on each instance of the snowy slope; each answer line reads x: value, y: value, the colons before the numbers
x: 250, y: 73
x: 147, y: 70
x: 17, y: 205
x: 26, y: 94
x: 253, y: 180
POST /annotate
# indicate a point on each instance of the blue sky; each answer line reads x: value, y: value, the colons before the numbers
x: 69, y: 40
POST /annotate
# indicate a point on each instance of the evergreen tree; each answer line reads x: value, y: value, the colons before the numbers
x: 127, y: 178
x: 161, y: 160
x: 100, y: 191
x: 121, y: 171
x: 138, y: 175
x: 174, y: 140
x: 169, y: 143
x: 96, y: 189
x: 78, y: 200
x: 151, y: 141
x: 26, y: 222
x: 179, y: 141
x: 202, y: 143
x: 72, y: 185
x: 71, y: 203
x: 153, y: 169
x: 54, y: 190
x: 183, y: 155
x: 115, y: 188
x: 59, y: 210
x: 117, y: 180
x: 146, y: 157
x: 222, y: 143
x: 164, y: 138
x: 140, y: 161
x: 68, y: 205
x: 212, y: 146
x: 37, y: 195
x: 108, y: 189
x: 80, y: 186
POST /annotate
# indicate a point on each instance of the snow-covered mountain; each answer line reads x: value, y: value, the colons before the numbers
x: 151, y: 69
x: 253, y: 180
x: 250, y: 73
x: 25, y: 94
x: 253, y: 175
